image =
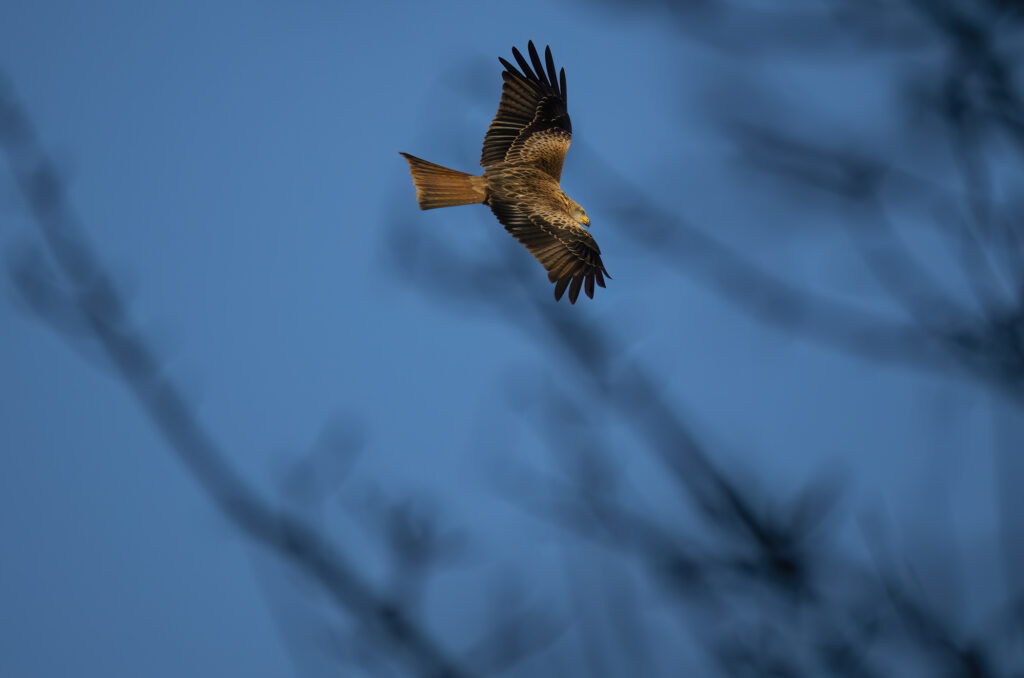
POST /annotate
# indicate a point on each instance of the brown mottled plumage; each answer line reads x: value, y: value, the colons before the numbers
x: 522, y: 159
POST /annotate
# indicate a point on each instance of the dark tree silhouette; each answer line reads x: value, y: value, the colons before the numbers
x: 755, y: 577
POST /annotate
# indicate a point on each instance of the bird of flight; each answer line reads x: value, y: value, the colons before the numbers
x: 522, y: 159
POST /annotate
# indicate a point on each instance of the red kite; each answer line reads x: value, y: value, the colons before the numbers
x: 522, y: 159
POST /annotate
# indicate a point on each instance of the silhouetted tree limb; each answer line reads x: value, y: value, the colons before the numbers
x: 79, y: 288
x: 967, y: 78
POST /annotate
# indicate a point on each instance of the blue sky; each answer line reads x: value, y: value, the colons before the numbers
x: 236, y: 165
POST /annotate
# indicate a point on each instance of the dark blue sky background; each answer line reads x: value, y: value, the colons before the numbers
x: 236, y: 165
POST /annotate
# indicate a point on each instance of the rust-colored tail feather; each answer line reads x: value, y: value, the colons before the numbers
x: 438, y: 186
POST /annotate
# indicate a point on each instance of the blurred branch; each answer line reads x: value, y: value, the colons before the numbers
x: 977, y: 78
x: 987, y: 341
x: 741, y: 558
x: 692, y: 253
x: 800, y: 608
x: 89, y: 296
x: 740, y: 555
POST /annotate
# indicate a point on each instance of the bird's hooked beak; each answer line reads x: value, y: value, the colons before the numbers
x: 585, y: 221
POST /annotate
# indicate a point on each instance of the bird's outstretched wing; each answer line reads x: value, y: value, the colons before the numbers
x: 532, y: 124
x: 566, y: 249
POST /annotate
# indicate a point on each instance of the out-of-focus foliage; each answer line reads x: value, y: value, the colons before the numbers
x: 936, y: 217
x: 750, y: 580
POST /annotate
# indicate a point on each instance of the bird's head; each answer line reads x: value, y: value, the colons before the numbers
x: 578, y: 213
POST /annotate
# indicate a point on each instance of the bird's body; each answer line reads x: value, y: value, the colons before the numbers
x: 519, y: 185
x: 522, y: 158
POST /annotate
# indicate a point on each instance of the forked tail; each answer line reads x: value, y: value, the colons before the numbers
x: 438, y: 186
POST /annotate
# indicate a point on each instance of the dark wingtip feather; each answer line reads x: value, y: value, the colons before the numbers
x: 574, y: 289
x: 560, y: 288
x: 552, y: 73
x: 600, y: 278
x: 521, y: 60
x: 537, y: 65
x: 588, y: 286
x: 561, y: 81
